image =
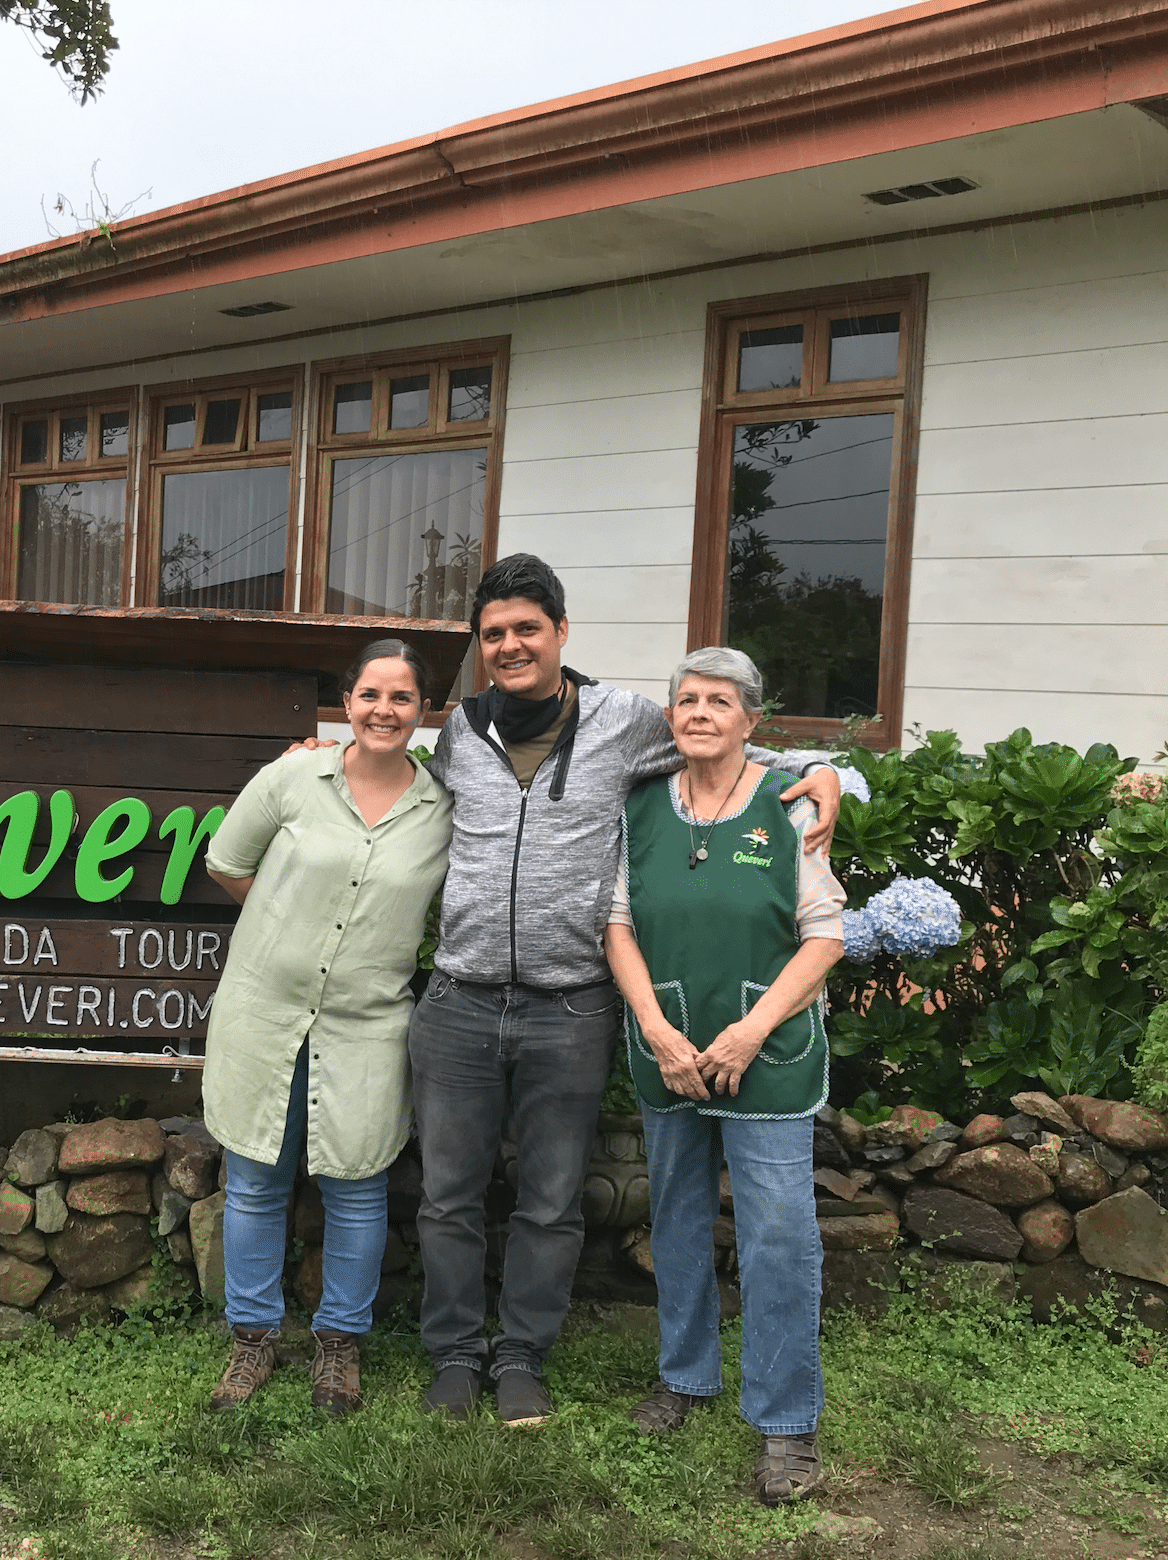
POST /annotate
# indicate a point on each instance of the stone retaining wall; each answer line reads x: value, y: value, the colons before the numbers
x: 1059, y: 1200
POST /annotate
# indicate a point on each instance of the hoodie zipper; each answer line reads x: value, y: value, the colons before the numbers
x: 563, y: 746
x: 515, y: 883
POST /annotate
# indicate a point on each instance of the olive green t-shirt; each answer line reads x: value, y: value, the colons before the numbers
x: 526, y: 757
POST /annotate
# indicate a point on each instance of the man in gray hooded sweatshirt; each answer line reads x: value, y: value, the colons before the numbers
x: 520, y: 1017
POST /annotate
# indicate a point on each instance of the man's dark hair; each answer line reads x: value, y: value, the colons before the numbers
x: 520, y: 574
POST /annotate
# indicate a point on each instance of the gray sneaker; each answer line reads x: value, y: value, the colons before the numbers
x: 522, y: 1398
x: 454, y: 1391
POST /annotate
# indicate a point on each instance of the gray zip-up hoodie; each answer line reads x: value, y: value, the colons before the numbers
x: 529, y: 889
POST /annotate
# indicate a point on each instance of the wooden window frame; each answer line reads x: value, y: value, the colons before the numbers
x: 245, y: 452
x: 724, y: 408
x: 440, y: 433
x: 18, y: 475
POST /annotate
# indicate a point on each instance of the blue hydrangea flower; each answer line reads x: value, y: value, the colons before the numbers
x: 912, y: 916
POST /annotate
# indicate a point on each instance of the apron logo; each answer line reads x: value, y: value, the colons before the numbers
x: 759, y: 839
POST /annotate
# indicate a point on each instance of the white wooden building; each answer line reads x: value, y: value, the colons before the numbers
x: 852, y: 350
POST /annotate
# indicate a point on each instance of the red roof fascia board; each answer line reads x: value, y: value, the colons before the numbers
x: 929, y: 74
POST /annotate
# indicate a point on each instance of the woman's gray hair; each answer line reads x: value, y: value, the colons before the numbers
x: 720, y: 661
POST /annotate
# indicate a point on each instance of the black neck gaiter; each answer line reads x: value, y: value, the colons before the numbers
x: 522, y: 720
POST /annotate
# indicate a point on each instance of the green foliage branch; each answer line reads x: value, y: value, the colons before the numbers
x: 76, y: 37
x: 1064, y: 897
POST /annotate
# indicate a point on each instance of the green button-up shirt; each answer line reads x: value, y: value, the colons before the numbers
x: 324, y: 947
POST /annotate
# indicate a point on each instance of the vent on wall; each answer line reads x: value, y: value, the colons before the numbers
x: 246, y: 311
x: 929, y: 191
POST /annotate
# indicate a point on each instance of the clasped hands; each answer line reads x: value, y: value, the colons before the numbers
x: 687, y: 1071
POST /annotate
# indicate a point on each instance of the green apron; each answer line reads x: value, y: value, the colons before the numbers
x: 715, y: 937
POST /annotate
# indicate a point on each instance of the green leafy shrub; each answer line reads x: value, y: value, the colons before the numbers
x: 1150, y: 1072
x: 1064, y: 898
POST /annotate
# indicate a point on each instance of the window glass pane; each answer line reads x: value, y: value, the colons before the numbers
x: 222, y: 422
x: 805, y: 571
x: 274, y: 416
x: 74, y: 437
x: 865, y: 348
x: 178, y: 427
x: 470, y: 394
x: 223, y: 536
x: 353, y: 407
x: 34, y: 442
x: 115, y: 433
x: 406, y: 537
x: 71, y: 540
x: 409, y: 401
x: 771, y: 359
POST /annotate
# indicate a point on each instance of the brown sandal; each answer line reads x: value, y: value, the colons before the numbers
x: 788, y: 1467
x: 663, y: 1410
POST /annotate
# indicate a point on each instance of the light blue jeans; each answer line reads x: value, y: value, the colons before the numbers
x: 779, y: 1260
x: 255, y: 1230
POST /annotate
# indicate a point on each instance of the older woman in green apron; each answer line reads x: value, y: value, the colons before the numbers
x: 335, y: 856
x: 723, y: 931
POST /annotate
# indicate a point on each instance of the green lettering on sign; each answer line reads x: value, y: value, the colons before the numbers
x: 18, y: 817
x: 99, y: 846
x: 182, y: 852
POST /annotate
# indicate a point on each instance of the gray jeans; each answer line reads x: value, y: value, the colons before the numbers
x: 478, y: 1052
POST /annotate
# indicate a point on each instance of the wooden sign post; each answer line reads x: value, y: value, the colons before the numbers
x: 124, y: 737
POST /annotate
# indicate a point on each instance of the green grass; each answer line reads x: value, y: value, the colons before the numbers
x: 107, y: 1449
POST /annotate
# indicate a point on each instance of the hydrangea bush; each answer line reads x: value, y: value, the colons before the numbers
x: 1009, y: 914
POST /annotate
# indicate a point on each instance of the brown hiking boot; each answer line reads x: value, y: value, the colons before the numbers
x: 336, y: 1372
x: 253, y: 1358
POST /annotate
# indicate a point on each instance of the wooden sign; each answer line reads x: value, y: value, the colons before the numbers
x: 124, y: 737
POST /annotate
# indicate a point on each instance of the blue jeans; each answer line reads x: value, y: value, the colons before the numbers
x: 255, y: 1230
x: 779, y: 1260
x: 475, y: 1052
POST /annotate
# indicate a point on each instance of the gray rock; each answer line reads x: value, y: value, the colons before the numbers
x: 181, y: 1250
x: 1120, y: 1123
x: 945, y: 1133
x: 1110, y: 1159
x: 1000, y: 1173
x: 1134, y: 1175
x: 829, y: 1116
x: 13, y: 1323
x: 837, y: 1208
x: 65, y: 1307
x: 173, y: 1209
x: 1047, y: 1230
x: 884, y: 1154
x: 870, y: 1232
x: 191, y: 1166
x: 833, y: 1528
x: 190, y: 1126
x: 852, y: 1134
x: 1017, y: 1128
x: 957, y: 1223
x: 931, y: 1156
x: 33, y: 1159
x: 125, y: 1293
x: 1081, y: 1179
x: 1125, y: 1233
x: 17, y: 1209
x: 28, y: 1245
x: 832, y: 1183
x: 899, y: 1177
x: 52, y: 1211
x: 826, y: 1149
x: 206, y: 1231
x: 94, y: 1250
x: 22, y: 1283
x: 1069, y: 1282
x: 395, y: 1258
x: 112, y: 1145
x: 862, y: 1280
x: 1043, y: 1108
x: 944, y: 1281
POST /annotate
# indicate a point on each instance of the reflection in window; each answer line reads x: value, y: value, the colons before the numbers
x: 406, y: 537
x: 409, y: 401
x: 73, y: 441
x: 34, y: 442
x: 71, y: 540
x: 115, y: 434
x: 221, y: 422
x: 864, y: 348
x: 470, y: 395
x: 223, y: 538
x: 770, y: 359
x: 274, y: 416
x: 353, y: 407
x: 805, y: 570
x: 178, y: 427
